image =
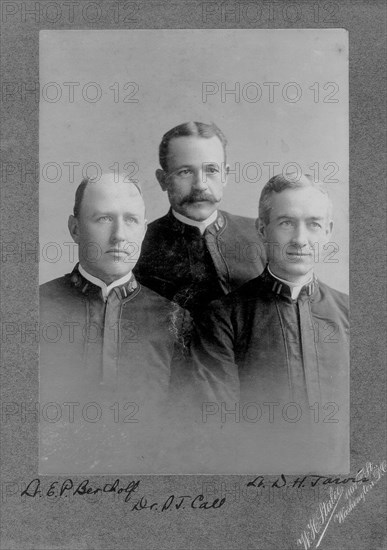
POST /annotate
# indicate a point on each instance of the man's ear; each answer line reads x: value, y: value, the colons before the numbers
x: 162, y: 179
x: 261, y: 228
x: 329, y: 230
x: 73, y: 226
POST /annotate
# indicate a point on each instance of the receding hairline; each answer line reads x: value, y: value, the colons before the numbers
x: 105, y: 179
x: 109, y: 177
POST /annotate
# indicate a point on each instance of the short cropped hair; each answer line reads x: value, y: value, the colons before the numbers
x: 81, y: 191
x: 280, y: 183
x: 189, y: 129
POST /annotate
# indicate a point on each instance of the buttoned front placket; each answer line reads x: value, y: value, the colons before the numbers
x: 102, y: 337
x: 302, y: 359
x: 289, y: 318
x: 93, y: 333
x: 110, y: 339
x: 102, y: 331
x: 309, y: 350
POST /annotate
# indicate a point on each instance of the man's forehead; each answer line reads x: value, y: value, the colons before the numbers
x: 109, y: 193
x: 109, y: 185
x: 301, y: 196
x: 193, y: 144
x: 305, y: 202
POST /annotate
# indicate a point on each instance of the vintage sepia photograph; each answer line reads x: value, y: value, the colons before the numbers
x: 194, y: 252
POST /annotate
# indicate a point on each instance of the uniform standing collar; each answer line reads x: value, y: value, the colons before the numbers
x: 286, y: 288
x: 202, y: 226
x: 80, y: 276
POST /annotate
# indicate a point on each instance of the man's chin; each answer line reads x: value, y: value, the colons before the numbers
x: 291, y: 270
x: 119, y: 269
x: 299, y: 270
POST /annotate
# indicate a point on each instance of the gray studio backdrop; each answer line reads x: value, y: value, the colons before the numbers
x: 107, y: 97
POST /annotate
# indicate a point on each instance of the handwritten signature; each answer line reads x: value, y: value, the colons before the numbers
x: 68, y: 488
x: 303, y: 481
x: 353, y: 495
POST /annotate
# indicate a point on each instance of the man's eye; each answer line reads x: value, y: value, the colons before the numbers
x: 212, y: 170
x: 184, y: 172
x: 287, y: 223
x: 315, y: 225
x: 131, y: 220
x: 104, y: 219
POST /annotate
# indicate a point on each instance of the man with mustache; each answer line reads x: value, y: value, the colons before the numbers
x: 197, y: 253
x: 106, y: 339
x: 283, y: 336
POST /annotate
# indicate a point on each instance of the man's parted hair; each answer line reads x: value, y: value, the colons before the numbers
x: 189, y: 129
x: 280, y: 183
x: 81, y: 191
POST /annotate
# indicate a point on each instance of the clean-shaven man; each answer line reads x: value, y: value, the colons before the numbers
x: 270, y: 383
x: 282, y: 336
x: 107, y: 339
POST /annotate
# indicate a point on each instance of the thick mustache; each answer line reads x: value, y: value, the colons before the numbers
x: 199, y: 197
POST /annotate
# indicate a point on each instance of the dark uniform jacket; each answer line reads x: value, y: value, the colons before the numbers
x: 106, y: 371
x: 178, y: 262
x: 124, y: 346
x: 258, y: 344
x: 269, y: 388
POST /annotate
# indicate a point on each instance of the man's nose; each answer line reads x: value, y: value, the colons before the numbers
x: 118, y: 231
x: 200, y: 180
x: 300, y: 235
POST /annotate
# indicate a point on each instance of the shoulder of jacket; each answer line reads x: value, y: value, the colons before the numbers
x: 159, y: 222
x: 57, y: 290
x: 237, y: 299
x: 237, y: 218
x: 148, y: 293
x: 159, y: 302
x: 239, y: 222
x: 54, y: 284
x: 177, y: 319
x: 339, y: 297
